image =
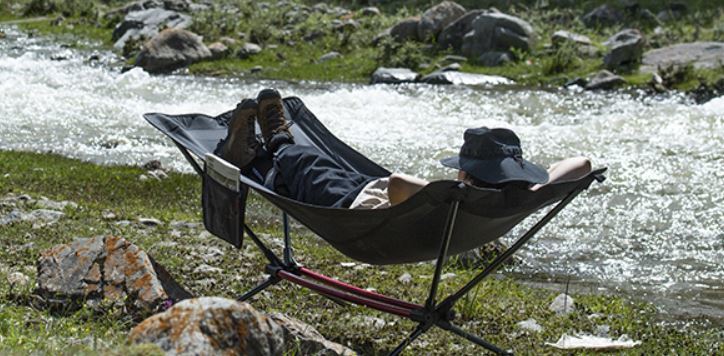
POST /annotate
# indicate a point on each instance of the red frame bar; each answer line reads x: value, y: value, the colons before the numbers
x: 357, y: 290
x: 346, y: 295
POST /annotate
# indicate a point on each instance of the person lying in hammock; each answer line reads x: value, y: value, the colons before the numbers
x: 489, y: 158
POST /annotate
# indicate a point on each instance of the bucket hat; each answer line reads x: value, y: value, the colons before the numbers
x: 494, y: 156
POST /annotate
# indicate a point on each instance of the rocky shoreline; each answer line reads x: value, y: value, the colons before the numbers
x: 602, y: 48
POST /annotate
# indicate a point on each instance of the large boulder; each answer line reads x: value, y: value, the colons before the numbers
x: 626, y: 49
x: 218, y: 326
x: 144, y: 24
x: 497, y: 32
x: 436, y: 18
x: 452, y: 35
x: 604, y: 15
x: 105, y: 269
x: 172, y: 49
x: 393, y: 76
x: 699, y: 54
x: 405, y: 30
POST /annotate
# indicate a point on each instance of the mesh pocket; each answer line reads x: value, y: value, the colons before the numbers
x: 223, y: 201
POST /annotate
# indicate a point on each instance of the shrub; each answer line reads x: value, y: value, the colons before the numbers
x: 393, y: 54
x: 565, y: 58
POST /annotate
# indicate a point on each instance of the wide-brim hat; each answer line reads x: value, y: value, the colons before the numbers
x: 494, y: 156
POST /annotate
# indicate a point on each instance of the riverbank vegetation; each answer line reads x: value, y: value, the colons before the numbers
x: 110, y: 200
x: 295, y: 39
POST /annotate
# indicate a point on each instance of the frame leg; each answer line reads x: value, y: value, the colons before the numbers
x: 419, y: 330
x: 263, y: 285
x: 473, y: 338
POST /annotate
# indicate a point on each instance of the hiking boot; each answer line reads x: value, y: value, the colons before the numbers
x: 274, y: 126
x: 241, y: 144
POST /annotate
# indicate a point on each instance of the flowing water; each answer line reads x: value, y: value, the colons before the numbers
x: 653, y: 229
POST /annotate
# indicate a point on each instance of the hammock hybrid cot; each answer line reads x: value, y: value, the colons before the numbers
x: 445, y: 218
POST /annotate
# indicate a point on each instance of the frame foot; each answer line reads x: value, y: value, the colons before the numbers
x: 263, y: 285
x: 473, y: 338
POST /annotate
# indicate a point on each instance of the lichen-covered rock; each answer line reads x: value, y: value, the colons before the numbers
x: 305, y: 339
x: 497, y: 32
x: 147, y: 23
x: 452, y: 35
x: 104, y: 269
x: 211, y: 326
x: 436, y: 18
x: 172, y: 49
x: 626, y: 46
x: 405, y: 30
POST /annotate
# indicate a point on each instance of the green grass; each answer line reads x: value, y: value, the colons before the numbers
x: 492, y: 310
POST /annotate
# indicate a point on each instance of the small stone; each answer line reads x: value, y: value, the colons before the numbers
x: 530, y: 325
x: 329, y: 56
x: 2, y: 35
x: 562, y: 304
x: 370, y: 11
x: 158, y: 174
x: 348, y: 264
x: 346, y: 26
x: 249, y: 49
x: 452, y: 67
x: 602, y: 330
x: 206, y: 269
x: 45, y: 203
x: 152, y: 165
x: 18, y: 279
x: 447, y: 276
x: 218, y: 50
x: 149, y: 222
x: 256, y: 69
x: 604, y: 80
x: 393, y: 76
x: 143, y: 177
x: 405, y: 278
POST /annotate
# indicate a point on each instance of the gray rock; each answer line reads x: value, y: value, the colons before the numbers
x: 562, y: 304
x: 172, y: 49
x: 218, y: 50
x: 211, y: 326
x: 530, y: 325
x: 321, y: 7
x: 699, y: 54
x: 563, y: 37
x: 603, y: 15
x: 405, y: 30
x: 453, y: 67
x: 451, y: 58
x: 249, y: 49
x: 369, y: 11
x: 152, y: 165
x: 18, y: 279
x: 228, y: 41
x: 626, y: 49
x: 604, y: 80
x: 104, y: 268
x: 304, y: 339
x: 150, y: 222
x: 46, y: 203
x: 329, y: 56
x: 460, y: 78
x: 405, y: 278
x: 256, y: 69
x: 495, y: 58
x: 436, y: 18
x: 496, y: 32
x: 393, y: 76
x: 348, y: 25
x: 142, y: 24
x: 452, y: 35
x: 39, y: 218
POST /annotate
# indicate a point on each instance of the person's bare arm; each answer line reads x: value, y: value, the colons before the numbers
x: 403, y: 186
x: 566, y: 170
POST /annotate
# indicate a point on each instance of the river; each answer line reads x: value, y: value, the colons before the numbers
x: 652, y: 230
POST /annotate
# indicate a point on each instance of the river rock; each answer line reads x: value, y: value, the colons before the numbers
x: 172, y: 49
x: 104, y: 268
x: 436, y: 18
x: 604, y: 15
x: 699, y: 54
x: 460, y: 78
x: 604, y: 80
x: 329, y: 56
x: 562, y: 37
x: 248, y: 49
x: 305, y: 339
x: 218, y: 50
x: 452, y: 35
x: 405, y: 30
x: 497, y: 32
x: 393, y: 76
x: 211, y: 326
x: 626, y: 49
x: 142, y: 24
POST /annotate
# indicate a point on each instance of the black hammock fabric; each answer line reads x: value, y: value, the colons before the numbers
x: 407, y: 232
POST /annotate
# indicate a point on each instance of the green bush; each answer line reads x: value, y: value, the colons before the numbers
x: 564, y: 59
x: 68, y: 8
x: 393, y: 54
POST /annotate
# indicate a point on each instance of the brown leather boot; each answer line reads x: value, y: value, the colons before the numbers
x: 274, y: 126
x: 241, y: 143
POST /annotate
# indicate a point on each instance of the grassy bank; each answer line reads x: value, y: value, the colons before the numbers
x: 293, y: 44
x: 493, y: 310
